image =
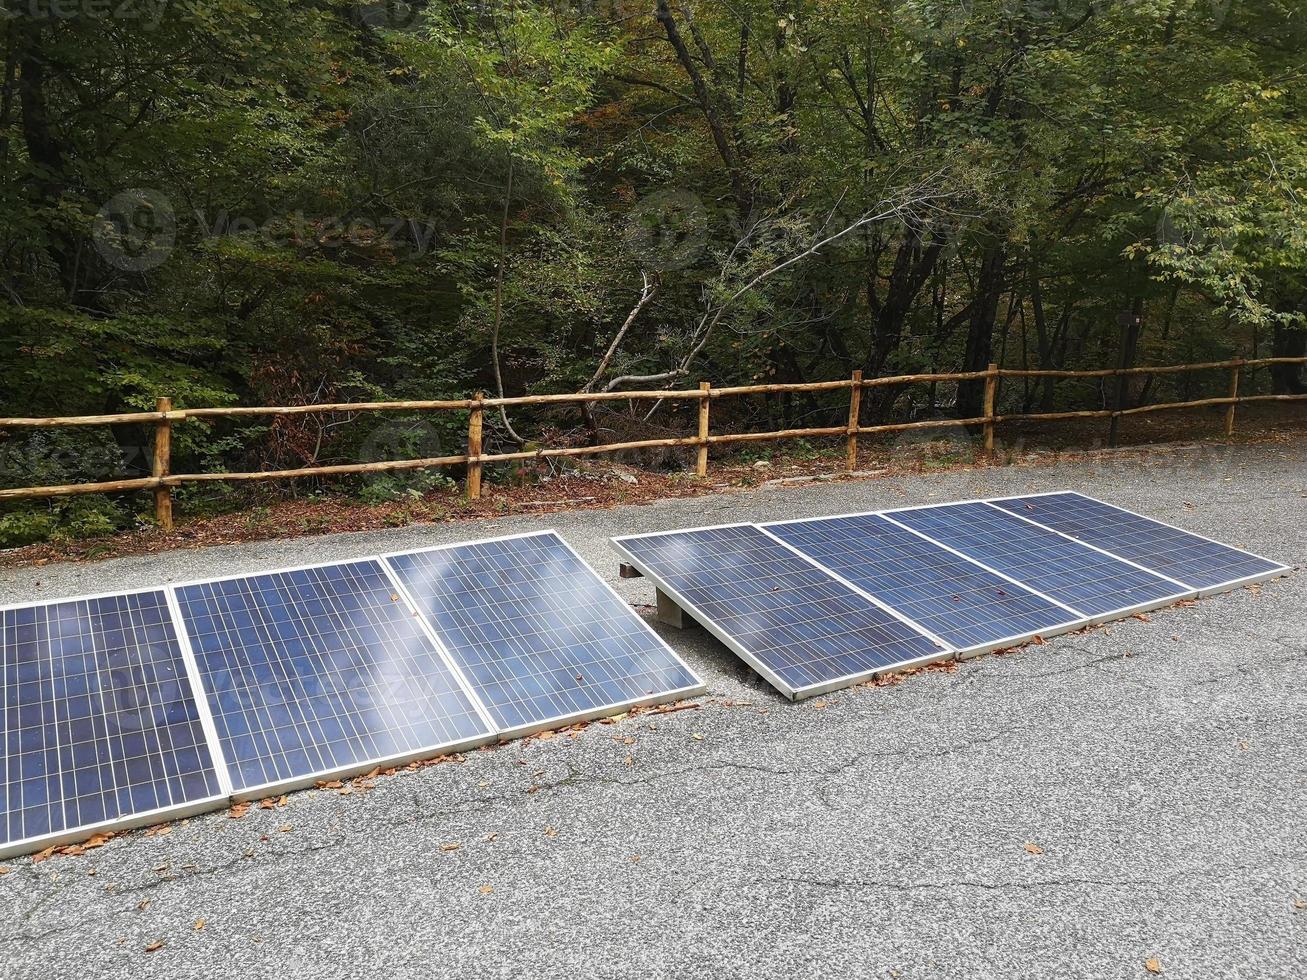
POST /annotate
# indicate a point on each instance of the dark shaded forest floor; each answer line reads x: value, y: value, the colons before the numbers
x: 286, y: 512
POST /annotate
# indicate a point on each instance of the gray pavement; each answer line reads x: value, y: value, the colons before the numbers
x: 1160, y: 765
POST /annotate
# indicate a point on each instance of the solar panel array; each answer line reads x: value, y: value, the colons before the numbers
x: 129, y: 709
x: 977, y: 575
x: 126, y: 709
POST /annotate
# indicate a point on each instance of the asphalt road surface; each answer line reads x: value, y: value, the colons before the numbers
x: 1160, y: 766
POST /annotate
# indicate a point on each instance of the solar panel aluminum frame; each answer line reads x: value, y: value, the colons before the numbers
x: 531, y: 728
x: 1089, y: 620
x: 276, y: 786
x: 769, y: 675
x: 146, y: 818
x: 1077, y: 620
x: 1202, y: 593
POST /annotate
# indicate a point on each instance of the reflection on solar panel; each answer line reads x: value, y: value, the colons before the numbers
x: 319, y: 672
x: 537, y: 634
x: 798, y: 626
x: 1091, y: 582
x: 99, y: 727
x: 952, y: 597
x: 1198, y: 562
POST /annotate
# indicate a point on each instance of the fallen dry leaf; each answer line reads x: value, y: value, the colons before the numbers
x: 154, y: 946
x: 1299, y: 904
x: 545, y: 736
x: 142, y: 905
x: 238, y: 811
x: 697, y: 737
x: 1039, y: 641
x: 451, y: 846
x: 635, y: 859
x: 1032, y: 848
x: 45, y: 855
x: 1143, y: 618
x: 158, y: 830
x: 329, y: 784
x: 551, y: 832
x: 1153, y: 965
x: 4, y: 870
x: 267, y: 804
x: 485, y: 889
x: 819, y: 704
x: 199, y: 924
x: 629, y: 760
x: 285, y: 828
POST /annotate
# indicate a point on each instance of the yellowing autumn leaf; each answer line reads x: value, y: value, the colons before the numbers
x: 1153, y: 965
x: 485, y: 889
x: 199, y: 924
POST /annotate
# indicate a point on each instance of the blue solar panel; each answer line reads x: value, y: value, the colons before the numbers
x: 1197, y: 561
x: 321, y: 671
x: 952, y: 597
x: 1089, y: 581
x: 537, y: 634
x: 797, y: 625
x: 99, y: 725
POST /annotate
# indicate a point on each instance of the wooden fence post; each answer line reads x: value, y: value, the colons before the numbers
x: 855, y: 409
x: 991, y: 394
x: 701, y: 460
x: 475, y: 419
x: 1234, y: 393
x: 161, y: 465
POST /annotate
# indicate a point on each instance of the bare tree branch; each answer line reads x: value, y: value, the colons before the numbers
x: 647, y: 292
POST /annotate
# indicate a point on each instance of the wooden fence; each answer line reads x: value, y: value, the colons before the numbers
x: 162, y: 480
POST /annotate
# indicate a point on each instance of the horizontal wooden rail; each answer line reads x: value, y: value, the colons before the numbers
x: 162, y: 480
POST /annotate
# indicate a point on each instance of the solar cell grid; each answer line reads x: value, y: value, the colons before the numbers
x: 1189, y: 558
x: 538, y: 635
x: 320, y: 671
x: 98, y: 722
x: 1088, y: 581
x: 967, y: 605
x: 804, y: 630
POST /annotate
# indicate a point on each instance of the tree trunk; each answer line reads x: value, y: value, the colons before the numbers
x: 980, y: 330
